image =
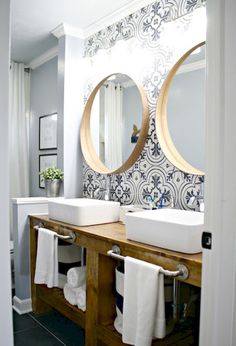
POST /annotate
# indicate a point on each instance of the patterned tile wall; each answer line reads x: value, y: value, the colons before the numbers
x: 146, y: 32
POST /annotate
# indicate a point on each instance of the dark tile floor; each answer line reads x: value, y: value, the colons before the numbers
x: 51, y: 329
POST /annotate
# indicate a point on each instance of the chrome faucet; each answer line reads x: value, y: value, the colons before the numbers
x: 199, y: 198
x: 94, y: 193
x: 107, y: 188
x: 172, y: 202
x: 169, y: 205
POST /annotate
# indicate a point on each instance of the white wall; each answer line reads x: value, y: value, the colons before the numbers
x: 43, y: 102
x: 6, y: 335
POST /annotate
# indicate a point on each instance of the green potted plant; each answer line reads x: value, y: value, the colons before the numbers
x: 53, y: 177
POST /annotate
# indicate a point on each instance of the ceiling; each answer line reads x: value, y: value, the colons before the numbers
x: 33, y: 21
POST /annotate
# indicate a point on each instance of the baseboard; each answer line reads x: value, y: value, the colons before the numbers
x: 22, y: 306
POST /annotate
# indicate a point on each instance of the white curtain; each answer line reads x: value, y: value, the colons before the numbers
x: 113, y: 125
x: 19, y: 130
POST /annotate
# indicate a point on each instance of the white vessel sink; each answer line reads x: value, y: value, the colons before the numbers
x: 173, y: 229
x: 83, y: 211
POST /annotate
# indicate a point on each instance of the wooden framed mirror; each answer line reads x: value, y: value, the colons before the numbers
x: 114, y: 125
x: 180, y: 113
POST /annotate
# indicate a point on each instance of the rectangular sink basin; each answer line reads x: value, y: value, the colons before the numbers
x: 83, y: 211
x: 173, y: 229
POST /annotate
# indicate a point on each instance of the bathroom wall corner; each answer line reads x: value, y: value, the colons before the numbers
x: 70, y: 109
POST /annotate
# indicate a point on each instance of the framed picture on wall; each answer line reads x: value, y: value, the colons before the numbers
x: 48, y: 132
x: 45, y: 161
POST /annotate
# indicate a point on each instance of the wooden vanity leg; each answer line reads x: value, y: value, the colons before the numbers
x: 92, y: 263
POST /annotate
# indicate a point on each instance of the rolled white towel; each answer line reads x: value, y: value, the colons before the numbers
x: 70, y: 294
x: 76, y: 276
x: 81, y: 297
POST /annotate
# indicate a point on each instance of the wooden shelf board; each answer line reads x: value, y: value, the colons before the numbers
x: 55, y: 298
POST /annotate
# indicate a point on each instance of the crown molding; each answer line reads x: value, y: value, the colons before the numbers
x: 41, y: 59
x: 66, y: 29
x: 116, y: 16
x: 197, y: 65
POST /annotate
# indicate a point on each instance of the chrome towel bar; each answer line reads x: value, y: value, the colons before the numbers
x: 181, y: 272
x: 71, y: 235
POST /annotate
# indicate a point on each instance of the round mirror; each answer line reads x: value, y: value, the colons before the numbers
x: 181, y: 112
x: 114, y: 124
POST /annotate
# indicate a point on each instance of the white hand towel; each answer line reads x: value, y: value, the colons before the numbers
x: 46, y: 271
x: 81, y: 297
x: 76, y: 276
x: 144, y: 304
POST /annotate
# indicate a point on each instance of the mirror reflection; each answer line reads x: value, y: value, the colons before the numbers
x: 180, y: 114
x: 115, y: 121
x: 186, y: 109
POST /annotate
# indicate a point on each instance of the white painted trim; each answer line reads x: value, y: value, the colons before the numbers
x: 66, y: 29
x: 116, y: 16
x: 218, y: 293
x: 22, y: 306
x: 193, y: 66
x: 30, y: 200
x: 41, y: 59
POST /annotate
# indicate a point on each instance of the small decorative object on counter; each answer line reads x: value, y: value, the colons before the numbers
x: 53, y: 177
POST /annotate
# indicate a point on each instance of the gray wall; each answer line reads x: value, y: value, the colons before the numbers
x: 186, y: 116
x: 43, y: 101
x: 132, y: 114
x: 6, y: 334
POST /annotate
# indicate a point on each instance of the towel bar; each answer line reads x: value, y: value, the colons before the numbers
x: 181, y: 272
x: 71, y: 235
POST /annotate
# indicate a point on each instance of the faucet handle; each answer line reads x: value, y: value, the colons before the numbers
x: 172, y: 202
x: 96, y: 192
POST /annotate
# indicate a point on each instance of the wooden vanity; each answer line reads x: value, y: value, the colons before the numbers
x: 100, y: 282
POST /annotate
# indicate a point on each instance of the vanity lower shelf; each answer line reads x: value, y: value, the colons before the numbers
x: 54, y: 297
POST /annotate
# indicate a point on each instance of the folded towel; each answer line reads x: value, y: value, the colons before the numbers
x: 81, y: 297
x: 76, y: 276
x: 144, y: 305
x: 46, y: 271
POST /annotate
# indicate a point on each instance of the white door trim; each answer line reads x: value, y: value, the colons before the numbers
x: 217, y: 325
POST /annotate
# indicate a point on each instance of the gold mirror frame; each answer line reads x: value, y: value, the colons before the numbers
x: 163, y: 133
x: 87, y: 146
